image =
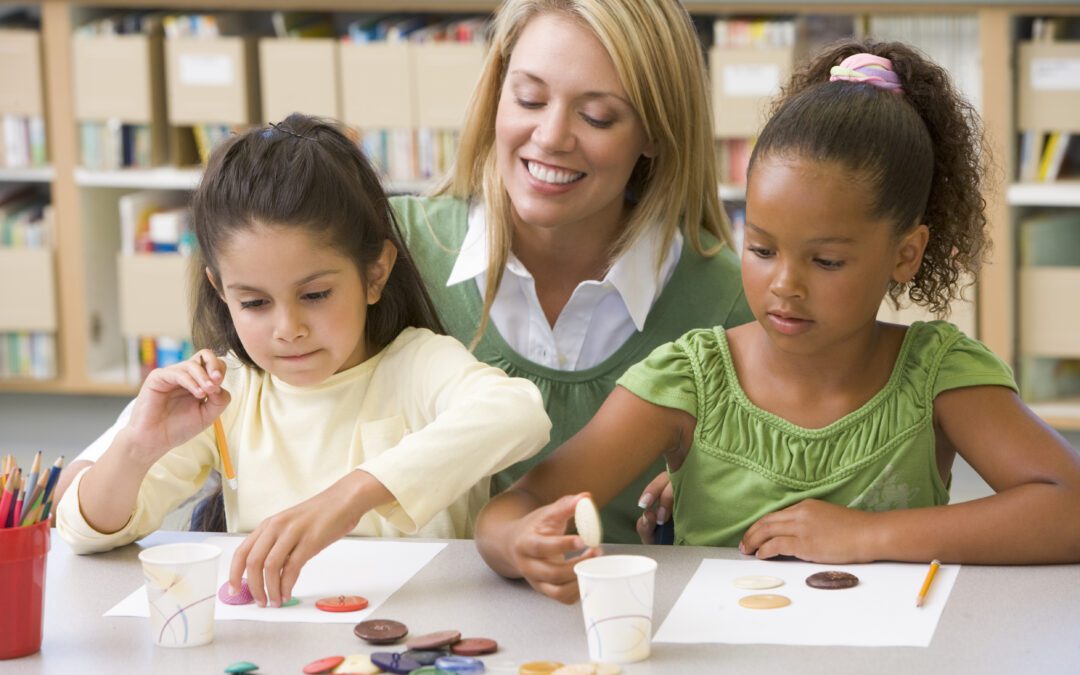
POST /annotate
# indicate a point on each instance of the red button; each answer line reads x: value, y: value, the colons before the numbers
x: 323, y: 665
x: 342, y: 603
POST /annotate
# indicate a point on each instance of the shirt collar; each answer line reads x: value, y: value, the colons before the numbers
x: 638, y: 291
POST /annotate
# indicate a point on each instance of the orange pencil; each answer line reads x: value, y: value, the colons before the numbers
x: 934, y: 565
x: 223, y: 450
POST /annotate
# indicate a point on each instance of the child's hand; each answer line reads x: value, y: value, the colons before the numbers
x: 539, y: 546
x: 657, y: 500
x: 811, y: 530
x: 281, y: 545
x: 175, y: 404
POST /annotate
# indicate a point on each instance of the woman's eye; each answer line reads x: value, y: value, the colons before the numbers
x: 529, y: 105
x: 760, y: 251
x: 598, y: 123
x: 321, y: 295
x: 251, y: 304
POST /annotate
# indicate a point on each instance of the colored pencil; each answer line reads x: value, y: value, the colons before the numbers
x: 934, y: 565
x: 35, y: 470
x: 19, y: 500
x: 10, y: 485
x: 223, y: 450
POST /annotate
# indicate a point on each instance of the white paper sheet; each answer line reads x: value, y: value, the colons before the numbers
x: 880, y: 611
x: 371, y: 569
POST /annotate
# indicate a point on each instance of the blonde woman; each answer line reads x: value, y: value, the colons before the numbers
x: 581, y: 226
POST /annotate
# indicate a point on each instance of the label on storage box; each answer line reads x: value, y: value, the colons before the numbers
x: 205, y: 70
x: 1055, y: 74
x: 751, y: 79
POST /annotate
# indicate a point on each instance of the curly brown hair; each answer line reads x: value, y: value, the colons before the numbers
x: 922, y: 154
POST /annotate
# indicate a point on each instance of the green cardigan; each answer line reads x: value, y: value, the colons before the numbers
x: 701, y: 292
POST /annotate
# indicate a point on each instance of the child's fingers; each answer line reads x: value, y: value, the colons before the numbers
x: 565, y: 593
x: 212, y: 364
x: 654, y: 490
x: 256, y: 559
x: 273, y: 566
x: 239, y: 562
x: 540, y: 546
x: 299, y: 557
x: 787, y: 546
x: 766, y: 527
x: 646, y: 527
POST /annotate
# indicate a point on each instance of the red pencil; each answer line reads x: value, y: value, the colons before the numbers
x: 10, y: 485
x: 19, y: 500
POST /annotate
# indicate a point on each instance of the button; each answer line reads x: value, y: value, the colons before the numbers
x: 241, y: 667
x: 380, y: 631
x: 324, y: 665
x: 434, y: 640
x: 242, y: 597
x: 428, y: 657
x: 460, y: 664
x: 832, y: 580
x: 474, y: 646
x: 539, y: 668
x: 587, y: 522
x: 342, y: 603
x: 576, y: 669
x: 392, y: 662
x: 757, y: 582
x: 764, y: 601
x: 291, y: 602
x: 357, y: 664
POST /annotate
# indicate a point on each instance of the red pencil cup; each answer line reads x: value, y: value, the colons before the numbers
x: 23, y: 551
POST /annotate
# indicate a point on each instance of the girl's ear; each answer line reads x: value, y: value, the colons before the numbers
x: 379, y: 272
x: 210, y: 278
x: 909, y: 254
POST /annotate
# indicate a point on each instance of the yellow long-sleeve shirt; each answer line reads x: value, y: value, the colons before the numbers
x: 422, y: 416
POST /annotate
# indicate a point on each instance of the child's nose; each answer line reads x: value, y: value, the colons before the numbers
x: 786, y: 283
x: 289, y: 325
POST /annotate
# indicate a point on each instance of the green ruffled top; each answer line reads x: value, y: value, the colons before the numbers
x: 745, y: 462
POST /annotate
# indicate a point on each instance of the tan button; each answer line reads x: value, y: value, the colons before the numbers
x: 358, y: 664
x: 757, y: 582
x: 539, y: 668
x: 607, y: 669
x: 576, y: 669
x: 587, y: 522
x: 764, y: 601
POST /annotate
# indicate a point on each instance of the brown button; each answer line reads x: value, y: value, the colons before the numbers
x: 474, y: 646
x: 434, y: 640
x: 342, y: 603
x: 764, y: 601
x: 832, y: 580
x: 380, y: 631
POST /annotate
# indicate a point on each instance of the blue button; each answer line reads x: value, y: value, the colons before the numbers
x: 460, y: 664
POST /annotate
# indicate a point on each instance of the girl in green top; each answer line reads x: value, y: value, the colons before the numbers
x: 818, y: 432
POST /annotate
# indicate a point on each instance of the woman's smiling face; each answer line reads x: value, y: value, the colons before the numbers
x: 566, y: 135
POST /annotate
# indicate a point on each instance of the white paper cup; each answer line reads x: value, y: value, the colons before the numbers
x: 617, y: 602
x: 181, y: 587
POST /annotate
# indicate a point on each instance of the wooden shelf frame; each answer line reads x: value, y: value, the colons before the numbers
x: 69, y: 182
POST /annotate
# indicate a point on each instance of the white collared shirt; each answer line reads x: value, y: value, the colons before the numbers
x: 600, y: 315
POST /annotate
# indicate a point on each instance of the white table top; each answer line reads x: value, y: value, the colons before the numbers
x: 998, y: 620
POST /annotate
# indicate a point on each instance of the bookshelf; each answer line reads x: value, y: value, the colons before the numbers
x: 84, y: 201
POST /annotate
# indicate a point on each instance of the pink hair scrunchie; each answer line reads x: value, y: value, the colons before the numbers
x: 867, y: 68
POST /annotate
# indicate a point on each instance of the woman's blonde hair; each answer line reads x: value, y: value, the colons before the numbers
x: 659, y: 62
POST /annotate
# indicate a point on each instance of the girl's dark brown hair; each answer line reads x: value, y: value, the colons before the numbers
x: 303, y: 172
x: 920, y: 153
x: 306, y: 173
